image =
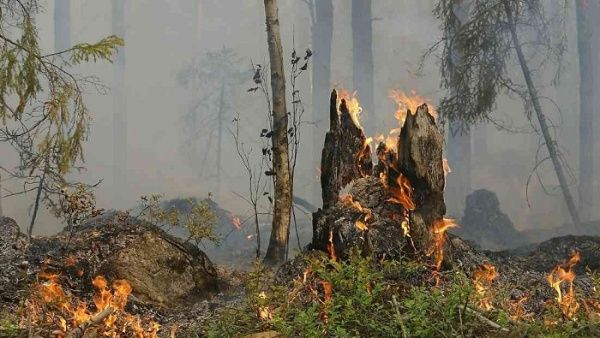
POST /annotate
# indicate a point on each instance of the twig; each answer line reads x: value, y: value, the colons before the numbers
x: 80, y: 330
x: 400, y: 320
x: 486, y: 320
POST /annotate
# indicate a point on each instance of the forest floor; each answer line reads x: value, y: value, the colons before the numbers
x: 45, y: 291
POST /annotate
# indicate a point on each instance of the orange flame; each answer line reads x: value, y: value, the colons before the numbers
x: 368, y: 215
x: 564, y: 273
x: 402, y: 194
x: 483, y: 276
x: 352, y: 103
x: 438, y: 230
x: 410, y: 103
x: 69, y: 316
x: 330, y: 247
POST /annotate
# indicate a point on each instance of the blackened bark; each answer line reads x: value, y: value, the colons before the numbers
x: 420, y: 159
x: 346, y: 156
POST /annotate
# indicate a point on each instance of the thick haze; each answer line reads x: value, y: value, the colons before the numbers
x: 159, y: 43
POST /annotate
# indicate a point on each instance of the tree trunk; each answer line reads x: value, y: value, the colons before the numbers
x: 322, y: 35
x: 362, y: 59
x: 458, y: 185
x: 119, y: 107
x: 550, y: 143
x: 62, y: 25
x: 221, y: 116
x: 586, y: 110
x: 1, y: 213
x: 283, y: 189
x: 36, y: 205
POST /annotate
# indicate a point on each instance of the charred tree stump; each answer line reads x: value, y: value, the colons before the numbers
x: 346, y: 154
x: 420, y: 159
x: 382, y: 213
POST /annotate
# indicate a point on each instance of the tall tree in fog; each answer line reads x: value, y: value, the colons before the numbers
x: 283, y: 189
x: 62, y: 25
x: 586, y: 108
x: 119, y: 106
x: 322, y: 35
x: 362, y: 57
x: 214, y: 81
x: 458, y: 185
x: 497, y: 31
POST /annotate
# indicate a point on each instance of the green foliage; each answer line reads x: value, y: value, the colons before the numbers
x: 198, y: 219
x: 43, y: 116
x: 101, y: 50
x: 477, y: 50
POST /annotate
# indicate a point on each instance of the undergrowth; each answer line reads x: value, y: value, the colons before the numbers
x: 364, y: 297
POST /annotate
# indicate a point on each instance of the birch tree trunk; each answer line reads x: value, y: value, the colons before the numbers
x: 322, y: 35
x: 550, y: 143
x: 362, y: 58
x: 119, y: 106
x: 586, y: 109
x: 283, y: 189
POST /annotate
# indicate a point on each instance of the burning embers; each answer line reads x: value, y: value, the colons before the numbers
x: 67, y: 316
x: 483, y: 276
x: 563, y: 273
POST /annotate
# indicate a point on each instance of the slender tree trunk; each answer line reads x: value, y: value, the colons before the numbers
x: 458, y: 184
x: 322, y: 35
x: 221, y: 116
x: 586, y: 110
x: 62, y: 25
x: 550, y: 143
x: 36, y: 205
x: 281, y: 166
x: 119, y: 107
x: 1, y: 213
x: 362, y: 58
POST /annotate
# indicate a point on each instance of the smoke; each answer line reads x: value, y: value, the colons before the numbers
x: 162, y: 38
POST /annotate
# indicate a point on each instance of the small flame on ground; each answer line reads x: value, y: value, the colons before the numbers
x: 55, y: 307
x: 483, y: 276
x: 438, y: 230
x: 564, y: 273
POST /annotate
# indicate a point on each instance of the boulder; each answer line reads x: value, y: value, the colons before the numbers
x: 163, y: 271
x: 485, y: 224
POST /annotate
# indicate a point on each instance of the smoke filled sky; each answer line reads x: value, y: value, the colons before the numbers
x: 163, y: 37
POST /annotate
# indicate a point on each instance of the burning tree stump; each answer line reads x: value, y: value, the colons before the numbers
x: 420, y: 159
x: 346, y: 155
x: 396, y: 205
